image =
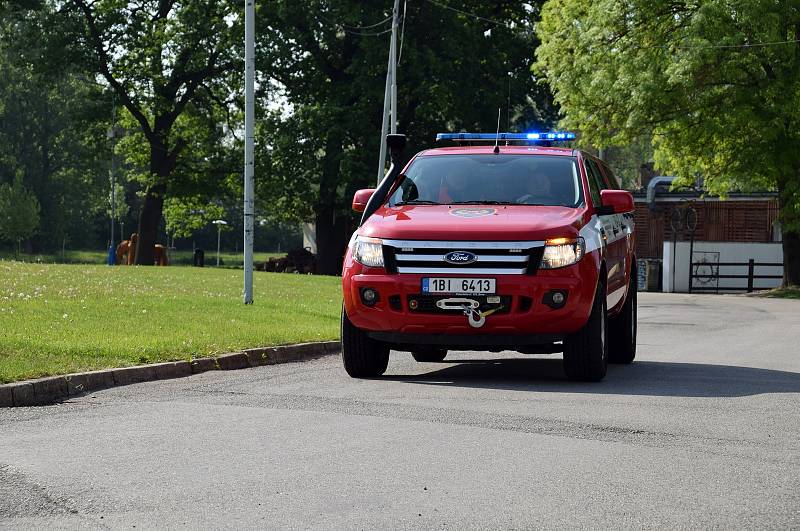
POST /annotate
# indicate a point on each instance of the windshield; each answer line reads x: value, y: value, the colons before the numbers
x: 490, y: 179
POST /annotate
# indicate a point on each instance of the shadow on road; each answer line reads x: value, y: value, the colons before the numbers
x: 640, y: 378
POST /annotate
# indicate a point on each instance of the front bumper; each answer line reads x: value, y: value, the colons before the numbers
x: 527, y: 315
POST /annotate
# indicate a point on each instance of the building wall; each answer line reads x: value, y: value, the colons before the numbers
x: 717, y: 221
x: 719, y: 252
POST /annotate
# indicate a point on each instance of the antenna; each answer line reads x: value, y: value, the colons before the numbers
x: 497, y: 136
x: 508, y: 105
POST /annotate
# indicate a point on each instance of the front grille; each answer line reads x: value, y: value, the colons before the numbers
x: 492, y: 258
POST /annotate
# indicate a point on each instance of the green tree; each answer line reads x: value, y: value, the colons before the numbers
x: 716, y: 83
x: 19, y: 212
x: 458, y: 66
x: 186, y: 216
x: 52, y: 131
x: 170, y: 65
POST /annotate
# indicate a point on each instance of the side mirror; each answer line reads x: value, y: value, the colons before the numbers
x: 361, y: 198
x: 396, y: 144
x: 614, y: 202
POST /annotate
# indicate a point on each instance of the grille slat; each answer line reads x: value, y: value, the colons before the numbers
x: 481, y: 258
x: 465, y: 270
x: 491, y: 258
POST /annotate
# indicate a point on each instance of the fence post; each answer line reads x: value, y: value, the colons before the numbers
x: 750, y: 273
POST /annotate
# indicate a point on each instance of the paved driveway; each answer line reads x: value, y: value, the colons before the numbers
x: 703, y: 430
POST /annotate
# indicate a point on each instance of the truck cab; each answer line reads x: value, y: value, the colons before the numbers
x: 480, y: 247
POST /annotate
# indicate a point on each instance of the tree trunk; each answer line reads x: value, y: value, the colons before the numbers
x: 149, y: 218
x: 791, y: 258
x: 789, y: 198
x: 330, y: 232
x: 332, y: 236
x: 161, y: 165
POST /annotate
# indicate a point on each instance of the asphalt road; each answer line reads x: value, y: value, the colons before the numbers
x: 702, y: 431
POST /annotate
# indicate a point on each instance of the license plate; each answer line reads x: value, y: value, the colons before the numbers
x: 471, y: 286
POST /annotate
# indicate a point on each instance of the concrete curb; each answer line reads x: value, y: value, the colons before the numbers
x: 51, y: 389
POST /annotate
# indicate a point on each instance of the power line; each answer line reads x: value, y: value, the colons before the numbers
x: 473, y: 15
x: 362, y: 34
x: 358, y: 30
x: 666, y: 46
x: 704, y: 46
x: 384, y: 21
x: 751, y: 45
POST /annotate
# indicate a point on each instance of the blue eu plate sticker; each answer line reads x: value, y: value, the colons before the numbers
x: 425, y: 284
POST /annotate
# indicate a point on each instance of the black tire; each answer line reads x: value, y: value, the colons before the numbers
x: 429, y: 355
x: 622, y: 328
x: 363, y: 357
x: 586, y: 351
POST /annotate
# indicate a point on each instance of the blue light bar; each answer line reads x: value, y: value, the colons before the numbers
x: 529, y: 137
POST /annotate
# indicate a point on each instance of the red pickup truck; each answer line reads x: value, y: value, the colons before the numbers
x: 481, y: 247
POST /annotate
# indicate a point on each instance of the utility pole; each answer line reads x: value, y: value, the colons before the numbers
x: 112, y: 135
x: 385, y: 122
x: 389, y: 93
x: 249, y: 141
x: 393, y: 55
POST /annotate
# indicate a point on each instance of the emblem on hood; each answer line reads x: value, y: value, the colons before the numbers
x: 460, y: 258
x: 473, y: 212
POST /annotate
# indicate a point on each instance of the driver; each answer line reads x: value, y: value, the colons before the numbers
x: 455, y: 187
x: 537, y: 190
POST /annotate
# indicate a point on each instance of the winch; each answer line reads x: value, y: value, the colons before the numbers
x: 470, y: 307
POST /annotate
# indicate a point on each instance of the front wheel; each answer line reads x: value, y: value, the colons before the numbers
x: 622, y: 328
x: 363, y: 357
x: 586, y: 351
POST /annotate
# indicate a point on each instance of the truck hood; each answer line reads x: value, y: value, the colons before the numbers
x: 474, y: 222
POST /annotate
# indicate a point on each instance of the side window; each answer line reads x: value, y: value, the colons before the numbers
x: 595, y: 180
x: 610, y: 179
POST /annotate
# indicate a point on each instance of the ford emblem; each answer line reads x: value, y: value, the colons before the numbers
x: 460, y: 258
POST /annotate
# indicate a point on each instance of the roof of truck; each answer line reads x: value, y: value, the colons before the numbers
x: 508, y: 150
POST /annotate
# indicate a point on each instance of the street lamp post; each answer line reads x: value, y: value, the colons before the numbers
x: 112, y: 134
x: 219, y: 223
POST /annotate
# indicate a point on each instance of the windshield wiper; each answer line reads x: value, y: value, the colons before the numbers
x: 416, y: 202
x: 487, y: 202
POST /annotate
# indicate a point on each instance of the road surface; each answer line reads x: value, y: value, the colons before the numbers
x: 702, y: 431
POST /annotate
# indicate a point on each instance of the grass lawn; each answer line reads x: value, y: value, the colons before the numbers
x: 792, y: 292
x: 57, y: 319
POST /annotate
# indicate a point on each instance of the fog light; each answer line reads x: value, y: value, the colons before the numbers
x: 369, y: 296
x: 555, y: 299
x: 413, y: 304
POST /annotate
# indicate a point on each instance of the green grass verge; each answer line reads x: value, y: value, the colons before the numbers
x: 57, y: 319
x: 792, y: 292
x: 178, y: 258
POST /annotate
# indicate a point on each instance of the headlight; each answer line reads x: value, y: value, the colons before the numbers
x: 561, y: 252
x: 368, y: 251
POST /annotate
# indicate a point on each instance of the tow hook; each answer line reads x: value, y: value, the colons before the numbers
x: 475, y: 318
x: 470, y: 307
